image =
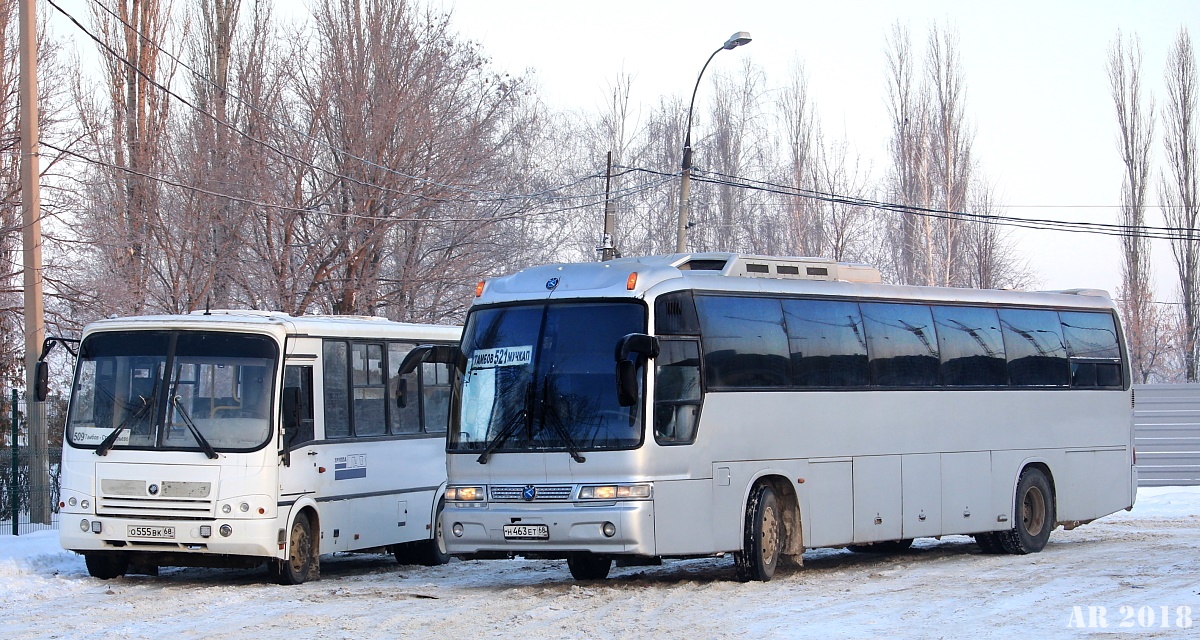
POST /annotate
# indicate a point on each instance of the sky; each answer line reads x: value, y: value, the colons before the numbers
x: 1037, y: 92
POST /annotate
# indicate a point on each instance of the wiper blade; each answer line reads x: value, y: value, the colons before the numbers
x: 556, y: 423
x: 111, y: 439
x: 507, y: 430
x: 200, y: 439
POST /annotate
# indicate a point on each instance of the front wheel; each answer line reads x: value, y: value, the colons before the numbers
x: 589, y: 566
x: 763, y: 537
x: 432, y: 552
x: 300, y: 565
x: 106, y: 565
x: 1035, y: 514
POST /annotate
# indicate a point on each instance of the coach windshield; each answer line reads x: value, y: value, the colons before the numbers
x: 542, y: 377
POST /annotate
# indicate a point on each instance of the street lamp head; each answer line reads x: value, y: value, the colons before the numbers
x: 738, y: 39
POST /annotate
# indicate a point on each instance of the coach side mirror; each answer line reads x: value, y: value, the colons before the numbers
x: 642, y: 346
x: 435, y: 353
x: 41, y: 387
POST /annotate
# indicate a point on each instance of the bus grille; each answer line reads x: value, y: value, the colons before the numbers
x: 128, y: 507
x: 173, y: 499
x: 515, y: 493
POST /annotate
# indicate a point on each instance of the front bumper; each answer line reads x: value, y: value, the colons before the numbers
x: 573, y: 526
x: 250, y: 537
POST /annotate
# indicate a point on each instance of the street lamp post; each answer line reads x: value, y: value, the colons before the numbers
x: 736, y: 40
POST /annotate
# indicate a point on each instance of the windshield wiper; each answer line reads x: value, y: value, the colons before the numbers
x: 200, y: 439
x: 507, y: 430
x: 556, y: 423
x: 111, y: 439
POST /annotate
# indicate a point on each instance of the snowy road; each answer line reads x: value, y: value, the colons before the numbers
x: 1135, y: 566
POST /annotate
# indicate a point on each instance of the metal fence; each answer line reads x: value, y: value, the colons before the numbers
x: 1166, y: 420
x: 29, y: 471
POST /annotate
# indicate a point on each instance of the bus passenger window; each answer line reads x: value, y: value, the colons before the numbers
x: 403, y: 393
x: 676, y: 391
x: 1033, y: 341
x: 337, y: 399
x: 435, y: 394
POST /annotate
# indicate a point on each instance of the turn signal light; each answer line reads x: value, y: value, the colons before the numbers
x: 479, y: 288
x: 631, y: 282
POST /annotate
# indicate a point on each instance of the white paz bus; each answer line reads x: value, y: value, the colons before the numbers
x: 702, y: 404
x: 242, y: 438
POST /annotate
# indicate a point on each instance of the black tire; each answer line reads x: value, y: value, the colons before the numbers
x: 763, y: 538
x: 889, y: 546
x: 1034, y: 514
x: 589, y: 566
x: 989, y: 542
x: 106, y: 565
x: 432, y: 552
x: 300, y: 565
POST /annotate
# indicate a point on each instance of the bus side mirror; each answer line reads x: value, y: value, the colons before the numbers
x: 41, y: 387
x: 643, y: 346
x: 402, y: 393
x: 291, y: 409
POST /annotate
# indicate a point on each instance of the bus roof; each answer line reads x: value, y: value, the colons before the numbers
x: 280, y: 324
x: 656, y: 275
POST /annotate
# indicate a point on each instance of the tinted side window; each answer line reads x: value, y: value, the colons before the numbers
x: 435, y: 396
x: 1033, y: 342
x: 744, y: 342
x: 336, y: 380
x: 1093, y: 348
x: 827, y: 342
x: 902, y: 345
x: 971, y: 345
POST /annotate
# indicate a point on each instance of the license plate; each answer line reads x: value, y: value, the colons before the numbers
x: 526, y: 532
x: 151, y: 532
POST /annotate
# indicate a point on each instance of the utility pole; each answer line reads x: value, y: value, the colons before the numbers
x: 608, y: 247
x: 31, y: 238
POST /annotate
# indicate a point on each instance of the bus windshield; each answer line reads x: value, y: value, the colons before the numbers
x: 543, y: 377
x: 173, y: 390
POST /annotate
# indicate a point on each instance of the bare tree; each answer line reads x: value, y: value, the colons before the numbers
x: 911, y: 236
x: 798, y: 131
x: 1135, y: 128
x: 1181, y: 190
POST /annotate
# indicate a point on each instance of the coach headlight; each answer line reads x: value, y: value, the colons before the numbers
x: 464, y: 494
x: 614, y: 492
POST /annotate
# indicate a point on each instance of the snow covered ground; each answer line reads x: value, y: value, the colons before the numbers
x: 1135, y: 566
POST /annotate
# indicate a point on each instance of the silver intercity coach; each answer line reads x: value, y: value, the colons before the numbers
x: 700, y: 404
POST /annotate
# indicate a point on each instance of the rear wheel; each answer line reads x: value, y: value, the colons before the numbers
x: 989, y: 542
x: 300, y: 565
x: 1035, y: 514
x: 763, y: 537
x: 106, y: 565
x: 589, y: 566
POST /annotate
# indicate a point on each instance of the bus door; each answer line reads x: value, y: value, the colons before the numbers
x: 299, y: 462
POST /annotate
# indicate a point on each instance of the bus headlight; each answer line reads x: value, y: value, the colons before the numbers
x: 226, y: 508
x: 84, y: 525
x: 226, y: 530
x: 84, y: 504
x: 464, y: 494
x: 615, y: 492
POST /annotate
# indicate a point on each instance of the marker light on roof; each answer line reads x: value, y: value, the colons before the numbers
x: 479, y: 288
x: 631, y: 281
